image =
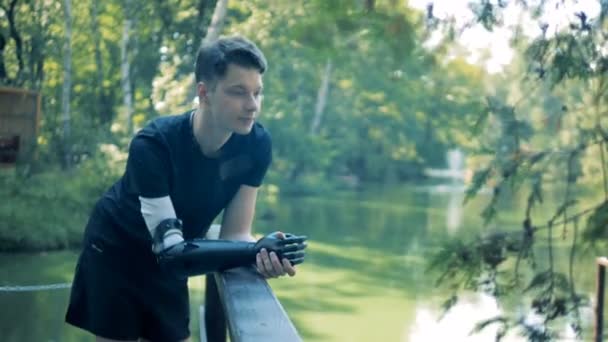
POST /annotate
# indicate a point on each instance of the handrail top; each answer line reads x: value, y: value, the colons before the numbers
x: 602, y: 261
x: 13, y: 90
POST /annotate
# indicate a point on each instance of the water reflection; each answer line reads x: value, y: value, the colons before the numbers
x: 457, y: 324
x: 453, y: 215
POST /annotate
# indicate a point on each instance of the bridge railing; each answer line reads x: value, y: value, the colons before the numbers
x: 602, y: 263
x: 241, y: 303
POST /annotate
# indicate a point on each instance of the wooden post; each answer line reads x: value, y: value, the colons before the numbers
x: 212, y: 320
x: 215, y: 321
x: 602, y: 262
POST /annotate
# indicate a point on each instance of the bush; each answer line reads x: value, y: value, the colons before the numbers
x: 49, y: 210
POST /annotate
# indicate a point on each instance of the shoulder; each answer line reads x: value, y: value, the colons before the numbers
x: 165, y: 125
x: 160, y: 131
x: 261, y: 145
x: 260, y: 137
x: 163, y: 129
x: 257, y: 145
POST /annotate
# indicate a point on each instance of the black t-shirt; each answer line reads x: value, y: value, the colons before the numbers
x: 165, y: 160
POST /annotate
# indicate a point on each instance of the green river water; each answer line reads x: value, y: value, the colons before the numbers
x: 365, y: 277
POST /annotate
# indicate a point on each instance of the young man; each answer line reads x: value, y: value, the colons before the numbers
x: 143, y: 238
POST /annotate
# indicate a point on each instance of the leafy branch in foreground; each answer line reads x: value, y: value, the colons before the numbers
x: 492, y: 262
x: 558, y: 141
x: 484, y: 263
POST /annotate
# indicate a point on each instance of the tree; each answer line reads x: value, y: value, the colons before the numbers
x: 351, y: 93
x: 217, y: 21
x: 125, y: 65
x: 67, y: 81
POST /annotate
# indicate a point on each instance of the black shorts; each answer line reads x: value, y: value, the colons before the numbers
x: 123, y: 297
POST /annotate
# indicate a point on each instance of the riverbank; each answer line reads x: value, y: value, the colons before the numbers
x: 48, y: 211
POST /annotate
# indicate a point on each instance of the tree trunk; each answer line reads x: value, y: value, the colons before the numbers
x: 370, y: 5
x: 3, y: 75
x: 213, y: 31
x: 36, y: 53
x: 67, y: 81
x: 217, y: 21
x: 103, y: 108
x: 201, y: 9
x: 321, y: 99
x: 125, y: 67
x: 165, y: 14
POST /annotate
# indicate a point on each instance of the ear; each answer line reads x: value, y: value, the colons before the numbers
x: 202, y: 90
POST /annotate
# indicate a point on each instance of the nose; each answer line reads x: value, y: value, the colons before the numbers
x: 252, y: 104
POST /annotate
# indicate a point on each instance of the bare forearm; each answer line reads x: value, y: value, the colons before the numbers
x: 227, y: 235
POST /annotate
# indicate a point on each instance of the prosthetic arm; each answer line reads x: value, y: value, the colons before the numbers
x: 200, y: 256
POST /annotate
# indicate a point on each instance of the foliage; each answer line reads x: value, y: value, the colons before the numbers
x: 382, y: 123
x: 392, y: 108
x: 552, y: 136
x: 49, y: 210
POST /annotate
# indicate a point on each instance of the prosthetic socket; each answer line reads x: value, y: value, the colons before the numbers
x: 200, y: 256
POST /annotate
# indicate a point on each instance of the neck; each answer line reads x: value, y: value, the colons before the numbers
x: 209, y: 136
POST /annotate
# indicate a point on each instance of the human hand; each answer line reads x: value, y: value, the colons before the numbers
x: 278, y: 253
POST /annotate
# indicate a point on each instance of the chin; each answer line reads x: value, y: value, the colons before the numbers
x: 243, y: 130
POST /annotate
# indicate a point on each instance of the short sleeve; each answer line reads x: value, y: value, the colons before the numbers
x: 262, y: 156
x: 148, y: 169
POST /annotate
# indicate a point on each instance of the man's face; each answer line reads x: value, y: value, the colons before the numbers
x: 235, y: 101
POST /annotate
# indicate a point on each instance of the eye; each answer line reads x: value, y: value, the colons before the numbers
x: 237, y: 92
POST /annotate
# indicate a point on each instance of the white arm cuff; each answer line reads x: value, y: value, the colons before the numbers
x: 155, y: 210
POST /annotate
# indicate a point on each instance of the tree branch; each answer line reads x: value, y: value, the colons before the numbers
x: 10, y: 14
x: 573, y: 296
x: 3, y: 75
x: 571, y: 218
x: 604, y: 175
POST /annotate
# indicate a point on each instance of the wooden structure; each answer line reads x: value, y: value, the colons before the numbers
x: 19, y: 122
x: 602, y: 263
x: 240, y: 302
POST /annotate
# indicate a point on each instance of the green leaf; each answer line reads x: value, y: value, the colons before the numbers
x: 597, y: 223
x: 479, y: 326
x: 479, y: 180
x: 535, y: 158
x: 537, y: 189
x: 562, y: 208
x: 561, y: 282
x: 539, y: 280
x: 448, y: 304
x: 482, y: 118
x: 536, y: 193
x: 489, y: 213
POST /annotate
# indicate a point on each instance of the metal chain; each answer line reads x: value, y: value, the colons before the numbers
x: 31, y: 288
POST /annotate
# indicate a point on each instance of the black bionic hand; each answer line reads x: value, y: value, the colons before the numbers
x: 200, y: 256
x: 291, y: 247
